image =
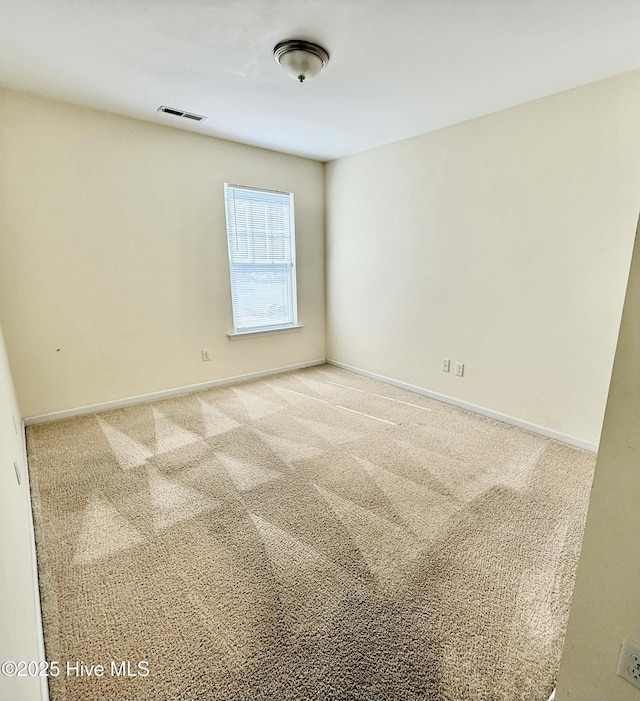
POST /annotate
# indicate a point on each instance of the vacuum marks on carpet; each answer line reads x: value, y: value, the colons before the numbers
x: 316, y: 535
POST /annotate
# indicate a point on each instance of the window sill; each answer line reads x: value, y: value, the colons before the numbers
x: 263, y: 332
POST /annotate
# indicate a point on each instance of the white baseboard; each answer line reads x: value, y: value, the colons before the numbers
x: 44, y: 687
x: 490, y: 413
x: 152, y: 396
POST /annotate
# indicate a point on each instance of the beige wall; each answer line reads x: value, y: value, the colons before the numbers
x: 502, y: 242
x: 113, y: 259
x: 18, y: 618
x: 606, y: 599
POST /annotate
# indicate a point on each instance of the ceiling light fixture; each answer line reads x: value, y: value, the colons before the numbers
x: 301, y: 59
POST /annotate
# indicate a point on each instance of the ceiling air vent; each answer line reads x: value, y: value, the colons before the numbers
x: 181, y: 113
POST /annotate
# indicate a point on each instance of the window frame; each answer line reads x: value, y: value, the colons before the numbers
x: 231, y: 234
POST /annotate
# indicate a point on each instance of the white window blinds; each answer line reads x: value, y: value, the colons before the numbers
x: 261, y: 240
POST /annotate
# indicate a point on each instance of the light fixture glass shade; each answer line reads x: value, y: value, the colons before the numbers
x: 301, y: 59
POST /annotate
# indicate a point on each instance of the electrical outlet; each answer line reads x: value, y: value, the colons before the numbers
x: 459, y: 369
x: 206, y: 354
x: 629, y: 663
x: 446, y: 363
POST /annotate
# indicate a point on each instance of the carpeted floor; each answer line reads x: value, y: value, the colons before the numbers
x: 314, y: 535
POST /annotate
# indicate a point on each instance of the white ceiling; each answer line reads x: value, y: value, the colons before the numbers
x: 398, y: 68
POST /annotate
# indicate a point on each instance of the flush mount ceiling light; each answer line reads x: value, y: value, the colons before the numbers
x: 301, y: 59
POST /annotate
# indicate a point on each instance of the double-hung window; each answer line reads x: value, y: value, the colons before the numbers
x: 261, y: 240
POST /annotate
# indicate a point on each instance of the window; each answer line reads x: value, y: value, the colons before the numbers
x: 261, y: 239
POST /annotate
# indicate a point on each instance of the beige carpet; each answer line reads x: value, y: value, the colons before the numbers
x: 315, y: 535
